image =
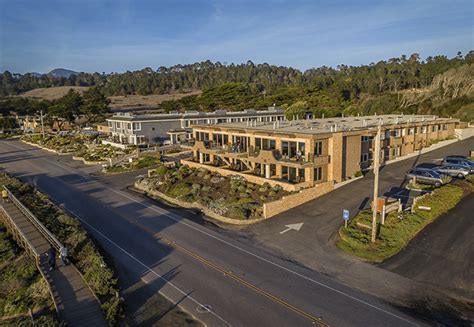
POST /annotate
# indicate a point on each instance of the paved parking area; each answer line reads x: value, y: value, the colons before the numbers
x: 313, y: 244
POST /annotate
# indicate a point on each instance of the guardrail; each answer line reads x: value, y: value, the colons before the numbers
x: 41, y: 228
x: 32, y: 251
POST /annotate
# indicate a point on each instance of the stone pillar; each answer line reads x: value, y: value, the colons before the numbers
x: 278, y: 171
x: 201, y: 157
x: 267, y: 171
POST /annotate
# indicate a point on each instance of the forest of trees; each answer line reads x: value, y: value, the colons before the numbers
x: 92, y: 105
x: 350, y: 89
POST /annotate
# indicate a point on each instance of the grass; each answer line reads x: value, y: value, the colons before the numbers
x: 22, y: 289
x: 102, y: 152
x: 51, y: 93
x: 397, y: 233
x: 135, y: 100
x: 140, y: 163
x: 61, y: 143
x: 83, y: 251
x: 419, y: 186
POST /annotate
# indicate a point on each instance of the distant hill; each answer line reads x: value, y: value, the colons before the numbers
x: 61, y: 72
x: 51, y: 93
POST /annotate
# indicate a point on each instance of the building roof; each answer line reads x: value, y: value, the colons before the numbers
x: 330, y: 125
x: 195, y: 114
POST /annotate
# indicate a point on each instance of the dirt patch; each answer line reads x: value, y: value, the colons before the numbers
x: 52, y: 93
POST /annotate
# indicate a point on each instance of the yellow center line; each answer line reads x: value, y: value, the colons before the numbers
x: 230, y: 274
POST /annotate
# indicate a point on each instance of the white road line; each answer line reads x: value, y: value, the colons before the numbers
x: 180, y: 220
x: 149, y: 269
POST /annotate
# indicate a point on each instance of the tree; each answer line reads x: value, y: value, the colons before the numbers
x: 58, y: 114
x: 95, y: 104
x: 73, y: 101
x: 297, y: 110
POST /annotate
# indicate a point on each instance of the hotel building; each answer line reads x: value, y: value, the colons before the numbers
x: 302, y: 153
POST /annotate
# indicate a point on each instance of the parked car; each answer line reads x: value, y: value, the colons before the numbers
x: 458, y: 161
x: 459, y: 171
x: 428, y: 176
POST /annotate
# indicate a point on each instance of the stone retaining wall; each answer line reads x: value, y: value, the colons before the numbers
x: 89, y: 163
x: 47, y: 149
x: 291, y: 201
x: 195, y: 205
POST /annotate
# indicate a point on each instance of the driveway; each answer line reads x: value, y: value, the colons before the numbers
x: 314, y: 244
x: 442, y: 253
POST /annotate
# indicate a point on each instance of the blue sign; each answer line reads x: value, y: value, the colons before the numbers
x: 345, y: 214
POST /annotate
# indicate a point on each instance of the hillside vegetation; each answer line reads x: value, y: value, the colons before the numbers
x: 410, y: 84
x: 52, y: 93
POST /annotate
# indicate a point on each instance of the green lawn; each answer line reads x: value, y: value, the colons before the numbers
x: 396, y: 233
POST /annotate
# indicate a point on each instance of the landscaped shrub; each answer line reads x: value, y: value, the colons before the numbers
x: 83, y: 252
x: 21, y: 287
x: 179, y: 190
x: 218, y: 193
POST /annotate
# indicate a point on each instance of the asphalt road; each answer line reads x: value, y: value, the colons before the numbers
x: 442, y: 253
x: 314, y: 246
x: 220, y: 279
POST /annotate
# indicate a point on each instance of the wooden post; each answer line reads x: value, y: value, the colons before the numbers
x: 376, y: 182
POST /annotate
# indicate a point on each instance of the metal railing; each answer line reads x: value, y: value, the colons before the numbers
x: 29, y: 249
x: 41, y: 228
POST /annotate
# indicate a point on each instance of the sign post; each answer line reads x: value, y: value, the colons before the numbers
x: 345, y: 216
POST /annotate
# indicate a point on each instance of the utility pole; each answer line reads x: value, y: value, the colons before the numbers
x: 42, y: 125
x: 376, y: 181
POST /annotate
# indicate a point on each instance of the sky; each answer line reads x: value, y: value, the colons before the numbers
x: 121, y: 35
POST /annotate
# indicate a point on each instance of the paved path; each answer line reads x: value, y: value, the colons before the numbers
x: 442, y: 253
x: 216, y: 277
x: 75, y: 301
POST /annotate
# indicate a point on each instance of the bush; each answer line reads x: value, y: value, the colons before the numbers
x: 179, y: 190
x: 236, y: 213
x: 83, y: 252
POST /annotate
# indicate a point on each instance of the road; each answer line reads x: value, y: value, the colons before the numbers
x: 438, y: 254
x: 314, y: 246
x: 220, y: 279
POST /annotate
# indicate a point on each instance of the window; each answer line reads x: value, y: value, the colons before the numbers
x: 318, y: 173
x: 301, y: 174
x: 109, y: 123
x: 129, y: 126
x: 285, y: 148
x: 433, y: 128
x: 364, y: 157
x: 423, y: 129
x: 137, y: 126
x: 365, y: 138
x: 318, y: 148
x: 411, y: 131
x: 397, y: 133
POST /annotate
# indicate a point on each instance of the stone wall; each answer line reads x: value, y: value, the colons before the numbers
x: 194, y: 205
x: 288, y: 202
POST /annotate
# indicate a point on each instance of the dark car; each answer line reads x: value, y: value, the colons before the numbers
x: 449, y: 160
x: 428, y: 176
x: 459, y: 171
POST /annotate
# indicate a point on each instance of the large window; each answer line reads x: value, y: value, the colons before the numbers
x: 285, y: 148
x: 137, y: 126
x: 318, y: 173
x: 318, y: 148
